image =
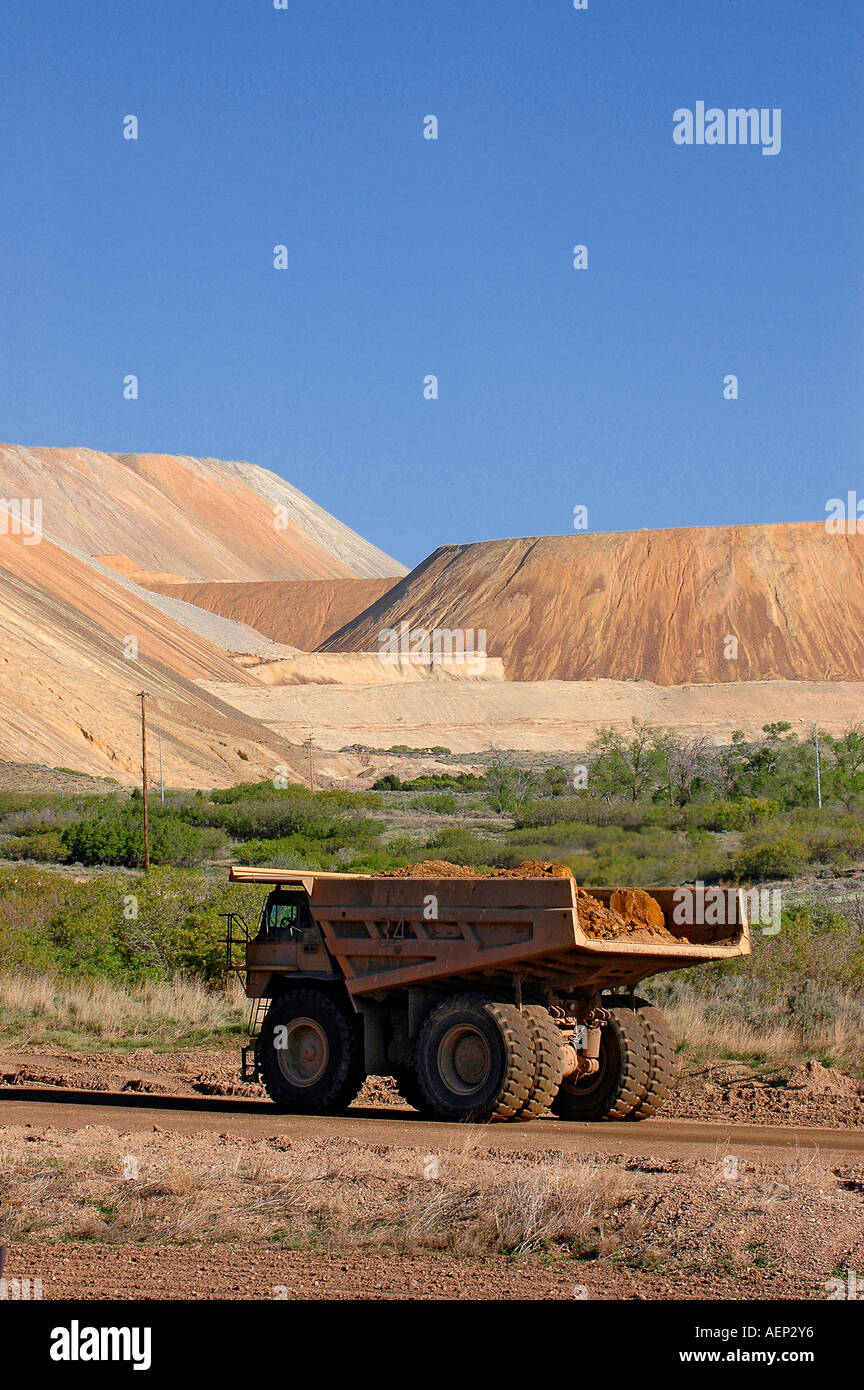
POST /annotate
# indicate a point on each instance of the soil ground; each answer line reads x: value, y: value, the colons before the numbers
x: 745, y: 1188
x: 731, y: 1093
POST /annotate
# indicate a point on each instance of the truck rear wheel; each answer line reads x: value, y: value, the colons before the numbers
x: 620, y: 1085
x: 546, y: 1038
x: 475, y: 1060
x: 661, y: 1061
x: 310, y: 1053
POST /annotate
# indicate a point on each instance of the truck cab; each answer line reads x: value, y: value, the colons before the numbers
x: 289, y: 942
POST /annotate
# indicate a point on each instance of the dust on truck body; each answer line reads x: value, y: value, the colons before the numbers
x: 483, y: 997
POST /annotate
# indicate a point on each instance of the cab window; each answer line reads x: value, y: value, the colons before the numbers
x: 282, y: 917
x: 285, y: 916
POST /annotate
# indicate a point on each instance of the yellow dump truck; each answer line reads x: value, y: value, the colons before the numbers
x: 485, y: 998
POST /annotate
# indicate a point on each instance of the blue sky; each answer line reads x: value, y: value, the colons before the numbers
x: 407, y: 256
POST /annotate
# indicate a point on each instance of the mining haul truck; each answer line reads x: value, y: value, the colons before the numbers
x: 484, y: 998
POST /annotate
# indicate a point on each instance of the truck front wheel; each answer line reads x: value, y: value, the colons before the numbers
x: 310, y: 1053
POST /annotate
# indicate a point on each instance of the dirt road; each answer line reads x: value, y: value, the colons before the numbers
x: 251, y: 1119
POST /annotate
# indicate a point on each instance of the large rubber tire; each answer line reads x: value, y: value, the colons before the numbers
x: 546, y: 1038
x: 621, y: 1084
x: 316, y: 1065
x: 661, y: 1062
x: 475, y: 1060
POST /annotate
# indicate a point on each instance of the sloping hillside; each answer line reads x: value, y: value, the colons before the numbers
x: 662, y: 606
x: 188, y: 517
x: 80, y: 636
x: 69, y: 676
x: 301, y: 613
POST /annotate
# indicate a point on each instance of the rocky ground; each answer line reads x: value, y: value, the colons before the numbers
x: 160, y: 1212
x: 97, y: 1213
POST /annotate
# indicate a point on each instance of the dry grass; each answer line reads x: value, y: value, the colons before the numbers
x: 697, y: 1027
x: 39, y: 1008
x: 576, y: 1205
x: 309, y: 1195
x: 713, y: 1026
x: 799, y: 1217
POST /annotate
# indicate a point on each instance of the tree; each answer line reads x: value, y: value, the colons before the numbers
x: 688, y: 761
x: 844, y: 773
x: 507, y: 784
x: 629, y: 766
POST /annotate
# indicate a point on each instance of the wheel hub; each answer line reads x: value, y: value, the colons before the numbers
x: 304, y: 1053
x: 464, y: 1059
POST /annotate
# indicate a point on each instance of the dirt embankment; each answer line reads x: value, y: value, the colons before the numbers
x: 177, y: 515
x: 529, y: 718
x: 807, y: 1094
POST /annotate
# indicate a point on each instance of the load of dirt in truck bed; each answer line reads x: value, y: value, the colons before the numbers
x: 432, y: 868
x: 631, y: 912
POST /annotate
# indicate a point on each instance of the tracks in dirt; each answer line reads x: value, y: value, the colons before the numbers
x: 258, y: 1119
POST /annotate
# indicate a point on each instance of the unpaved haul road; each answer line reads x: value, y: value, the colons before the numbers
x: 251, y: 1119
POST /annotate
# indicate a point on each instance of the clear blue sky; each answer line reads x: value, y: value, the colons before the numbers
x: 408, y: 256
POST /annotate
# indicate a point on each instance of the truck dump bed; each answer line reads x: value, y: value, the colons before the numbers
x: 388, y: 933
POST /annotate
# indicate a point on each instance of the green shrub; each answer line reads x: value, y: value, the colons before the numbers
x: 115, y: 835
x: 122, y: 926
x: 460, y: 845
x: 288, y: 852
x: 46, y: 848
x: 782, y: 857
x: 744, y: 811
x: 443, y: 805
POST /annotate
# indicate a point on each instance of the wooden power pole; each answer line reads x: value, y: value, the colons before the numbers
x: 142, y: 696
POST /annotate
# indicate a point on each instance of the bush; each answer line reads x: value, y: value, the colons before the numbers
x: 126, y: 927
x: 443, y: 805
x: 782, y: 857
x: 587, y: 810
x: 462, y: 781
x: 47, y: 848
x: 289, y: 852
x: 739, y: 814
x: 462, y: 846
x: 388, y: 783
x: 111, y: 836
x: 115, y: 835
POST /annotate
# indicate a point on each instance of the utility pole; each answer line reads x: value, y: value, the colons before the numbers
x: 802, y: 720
x: 311, y: 765
x: 142, y: 696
